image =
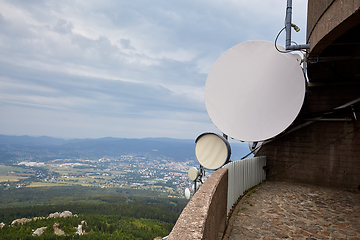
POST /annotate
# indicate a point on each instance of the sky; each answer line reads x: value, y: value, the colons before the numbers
x: 120, y: 68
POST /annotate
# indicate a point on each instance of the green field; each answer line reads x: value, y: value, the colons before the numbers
x: 47, y: 184
x: 6, y: 169
x: 11, y: 178
x: 53, y: 175
x: 13, y: 174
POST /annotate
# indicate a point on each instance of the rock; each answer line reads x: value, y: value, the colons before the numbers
x: 21, y: 221
x: 54, y: 215
x: 63, y: 214
x: 66, y: 214
x: 57, y: 230
x: 341, y: 225
x: 79, y: 230
x: 39, y: 231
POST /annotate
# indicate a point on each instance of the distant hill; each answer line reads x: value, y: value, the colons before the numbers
x: 30, y: 141
x: 48, y: 148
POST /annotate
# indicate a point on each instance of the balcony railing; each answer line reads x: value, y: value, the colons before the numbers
x: 244, y: 174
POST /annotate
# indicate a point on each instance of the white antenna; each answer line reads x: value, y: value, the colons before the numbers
x: 187, y: 193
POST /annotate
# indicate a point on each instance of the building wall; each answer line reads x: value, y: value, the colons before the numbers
x: 323, y: 153
x: 324, y: 19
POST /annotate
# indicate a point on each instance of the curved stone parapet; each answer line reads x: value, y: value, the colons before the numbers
x: 204, y: 217
x: 328, y: 20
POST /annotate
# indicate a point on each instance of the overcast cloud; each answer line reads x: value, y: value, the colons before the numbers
x: 91, y: 69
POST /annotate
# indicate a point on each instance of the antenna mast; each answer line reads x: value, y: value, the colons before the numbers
x: 288, y: 26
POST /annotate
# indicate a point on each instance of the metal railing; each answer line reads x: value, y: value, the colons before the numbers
x: 244, y: 174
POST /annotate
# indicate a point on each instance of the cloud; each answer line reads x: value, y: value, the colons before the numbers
x: 126, y: 43
x: 63, y: 27
x: 141, y: 62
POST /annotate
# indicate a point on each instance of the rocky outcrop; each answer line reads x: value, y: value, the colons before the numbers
x: 21, y: 221
x: 57, y: 230
x: 65, y: 214
x: 39, y: 231
x: 79, y: 229
x: 62, y: 214
x: 54, y: 215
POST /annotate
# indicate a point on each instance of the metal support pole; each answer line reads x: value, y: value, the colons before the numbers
x: 195, y: 186
x: 288, y: 25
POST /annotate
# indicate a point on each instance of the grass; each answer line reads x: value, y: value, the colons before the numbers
x: 6, y: 169
x: 11, y: 178
x: 47, y: 184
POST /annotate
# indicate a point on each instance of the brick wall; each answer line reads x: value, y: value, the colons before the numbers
x: 323, y: 153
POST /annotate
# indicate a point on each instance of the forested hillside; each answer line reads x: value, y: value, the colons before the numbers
x: 107, y: 217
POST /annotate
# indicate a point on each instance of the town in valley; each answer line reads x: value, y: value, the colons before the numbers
x: 126, y: 171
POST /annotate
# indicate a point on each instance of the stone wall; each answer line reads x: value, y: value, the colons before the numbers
x: 204, y: 217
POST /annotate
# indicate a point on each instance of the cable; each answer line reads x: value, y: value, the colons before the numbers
x: 297, y: 29
x: 276, y: 41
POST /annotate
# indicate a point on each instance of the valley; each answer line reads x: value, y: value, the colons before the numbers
x: 127, y: 171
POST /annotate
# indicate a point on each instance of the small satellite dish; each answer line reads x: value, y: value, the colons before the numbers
x: 196, y: 186
x: 212, y: 150
x: 203, y: 179
x: 187, y: 193
x: 193, y: 173
x: 253, y: 92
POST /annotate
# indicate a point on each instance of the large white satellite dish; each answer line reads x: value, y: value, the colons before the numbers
x: 253, y: 92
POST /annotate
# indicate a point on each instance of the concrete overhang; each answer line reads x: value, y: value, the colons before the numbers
x: 333, y: 31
